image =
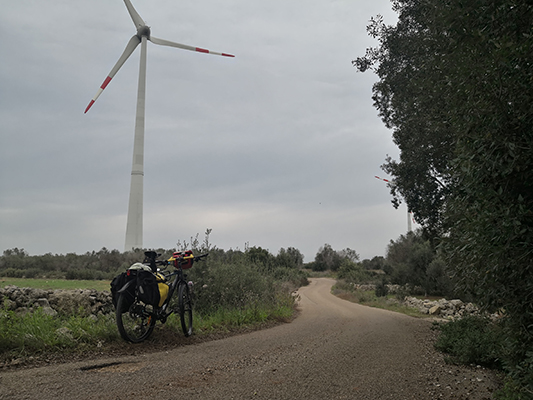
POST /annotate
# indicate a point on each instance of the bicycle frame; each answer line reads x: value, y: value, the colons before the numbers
x: 180, y: 277
x: 136, y: 319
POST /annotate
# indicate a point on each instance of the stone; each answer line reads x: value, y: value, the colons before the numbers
x: 65, y: 332
x: 42, y: 302
x: 54, y: 302
x: 435, y: 310
x: 9, y: 305
x: 457, y: 303
x: 49, y: 311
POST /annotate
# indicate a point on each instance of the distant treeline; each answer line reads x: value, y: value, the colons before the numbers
x: 105, y: 264
x: 411, y: 260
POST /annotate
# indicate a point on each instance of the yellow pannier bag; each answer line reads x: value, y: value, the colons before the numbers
x: 163, y: 288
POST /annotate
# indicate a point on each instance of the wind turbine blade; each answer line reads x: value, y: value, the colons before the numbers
x: 137, y: 20
x: 130, y: 47
x: 164, y: 42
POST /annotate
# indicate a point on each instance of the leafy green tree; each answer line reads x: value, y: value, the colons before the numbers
x: 290, y: 258
x: 352, y: 272
x: 258, y: 255
x: 13, y: 258
x: 456, y: 87
x: 329, y: 259
x: 326, y: 259
x: 410, y: 257
x: 410, y: 99
x: 376, y: 263
x: 349, y: 254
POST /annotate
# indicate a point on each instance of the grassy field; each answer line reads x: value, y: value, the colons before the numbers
x: 55, y: 283
x: 369, y: 298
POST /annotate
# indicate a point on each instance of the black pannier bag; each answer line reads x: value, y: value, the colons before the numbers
x: 118, y: 283
x: 147, y: 288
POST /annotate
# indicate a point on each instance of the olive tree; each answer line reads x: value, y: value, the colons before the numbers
x: 456, y: 87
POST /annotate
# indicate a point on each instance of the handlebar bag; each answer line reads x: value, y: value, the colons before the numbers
x: 185, y: 258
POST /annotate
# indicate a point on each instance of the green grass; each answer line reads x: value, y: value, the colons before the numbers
x: 36, y: 335
x: 472, y: 340
x: 24, y: 335
x: 369, y: 298
x: 228, y: 319
x: 53, y: 284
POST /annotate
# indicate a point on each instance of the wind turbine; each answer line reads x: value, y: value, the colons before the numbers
x: 134, y: 227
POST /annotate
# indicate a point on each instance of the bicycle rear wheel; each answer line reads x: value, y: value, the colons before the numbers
x: 185, y: 308
x: 135, y: 323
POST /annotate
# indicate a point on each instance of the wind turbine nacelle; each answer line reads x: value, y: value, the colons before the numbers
x: 143, y: 31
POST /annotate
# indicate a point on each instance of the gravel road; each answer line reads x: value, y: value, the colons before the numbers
x: 333, y: 350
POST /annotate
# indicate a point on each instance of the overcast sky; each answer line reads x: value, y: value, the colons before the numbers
x: 277, y: 147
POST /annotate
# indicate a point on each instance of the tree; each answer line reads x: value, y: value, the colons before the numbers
x: 377, y: 263
x: 349, y: 254
x: 290, y: 258
x: 258, y: 255
x: 326, y: 258
x: 456, y: 87
x: 329, y: 259
x: 409, y: 98
x: 410, y: 257
x: 13, y: 258
x: 352, y: 272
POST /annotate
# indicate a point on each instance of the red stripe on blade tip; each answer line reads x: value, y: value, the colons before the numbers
x: 106, y: 82
x: 89, y: 106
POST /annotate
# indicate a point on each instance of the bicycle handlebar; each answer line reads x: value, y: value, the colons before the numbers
x: 150, y: 258
x: 199, y: 258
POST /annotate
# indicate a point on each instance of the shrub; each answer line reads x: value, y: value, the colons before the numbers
x: 294, y: 276
x: 232, y: 286
x: 471, y: 340
x: 352, y: 272
x: 382, y: 289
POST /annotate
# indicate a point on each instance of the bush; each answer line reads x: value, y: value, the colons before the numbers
x: 382, y: 289
x: 84, y: 274
x: 294, y: 276
x: 232, y: 286
x: 352, y: 272
x: 472, y: 340
x: 13, y: 273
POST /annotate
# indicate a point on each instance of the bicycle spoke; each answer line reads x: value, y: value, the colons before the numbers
x: 135, y: 323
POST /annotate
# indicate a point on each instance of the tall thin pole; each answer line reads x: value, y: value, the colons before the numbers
x: 134, y: 226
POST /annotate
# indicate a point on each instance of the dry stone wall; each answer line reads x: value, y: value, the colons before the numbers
x: 93, y: 302
x: 56, y: 302
x: 448, y: 309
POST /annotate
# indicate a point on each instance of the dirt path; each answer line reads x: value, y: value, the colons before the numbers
x: 333, y: 350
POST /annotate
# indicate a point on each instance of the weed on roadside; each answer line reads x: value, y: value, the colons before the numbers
x: 471, y: 340
x: 369, y: 298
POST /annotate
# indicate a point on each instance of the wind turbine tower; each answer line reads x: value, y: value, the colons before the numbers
x: 134, y: 226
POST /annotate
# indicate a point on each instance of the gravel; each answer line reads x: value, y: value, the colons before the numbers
x: 334, y: 349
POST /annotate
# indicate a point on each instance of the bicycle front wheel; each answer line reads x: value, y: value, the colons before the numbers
x: 185, y: 308
x: 135, y: 323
